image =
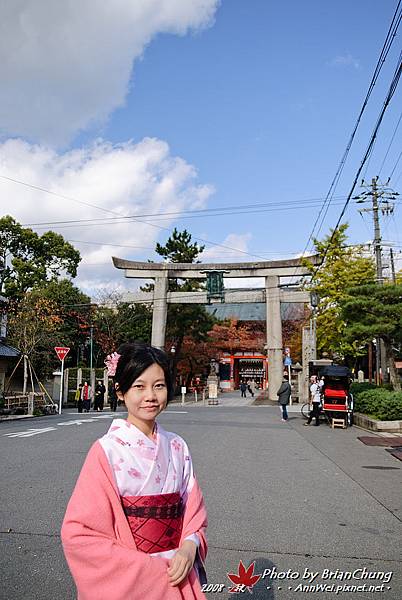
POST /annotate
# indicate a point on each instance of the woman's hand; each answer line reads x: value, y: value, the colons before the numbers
x: 182, y: 562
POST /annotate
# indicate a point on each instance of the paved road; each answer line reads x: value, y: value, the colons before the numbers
x: 288, y: 497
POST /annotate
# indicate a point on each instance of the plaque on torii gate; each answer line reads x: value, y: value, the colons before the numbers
x: 272, y: 294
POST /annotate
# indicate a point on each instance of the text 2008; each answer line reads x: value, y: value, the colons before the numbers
x: 213, y: 587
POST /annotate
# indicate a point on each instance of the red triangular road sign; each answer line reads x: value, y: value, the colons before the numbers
x: 62, y: 352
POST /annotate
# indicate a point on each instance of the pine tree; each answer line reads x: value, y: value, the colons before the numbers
x: 190, y: 320
x: 375, y: 311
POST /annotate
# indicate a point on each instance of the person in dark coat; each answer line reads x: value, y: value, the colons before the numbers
x: 243, y: 388
x: 99, y: 395
x: 112, y: 398
x: 283, y: 394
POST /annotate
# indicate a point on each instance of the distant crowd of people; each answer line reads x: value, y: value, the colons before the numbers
x: 84, y: 397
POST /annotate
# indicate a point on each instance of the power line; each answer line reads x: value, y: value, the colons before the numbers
x: 135, y: 219
x: 391, y: 91
x: 396, y: 19
x: 240, y: 209
x: 389, y: 147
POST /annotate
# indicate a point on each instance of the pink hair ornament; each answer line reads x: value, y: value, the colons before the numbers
x: 111, y: 363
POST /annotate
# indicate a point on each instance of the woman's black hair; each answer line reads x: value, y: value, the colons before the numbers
x: 135, y: 357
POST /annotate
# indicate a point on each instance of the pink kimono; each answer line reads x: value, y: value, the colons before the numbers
x: 135, y: 502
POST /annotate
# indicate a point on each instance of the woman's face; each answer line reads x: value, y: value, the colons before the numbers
x: 147, y: 396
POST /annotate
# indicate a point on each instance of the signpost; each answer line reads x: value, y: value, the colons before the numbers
x: 61, y: 352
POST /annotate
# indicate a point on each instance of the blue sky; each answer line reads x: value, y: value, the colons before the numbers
x: 244, y: 102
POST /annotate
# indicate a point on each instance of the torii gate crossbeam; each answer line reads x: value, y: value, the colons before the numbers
x: 273, y: 295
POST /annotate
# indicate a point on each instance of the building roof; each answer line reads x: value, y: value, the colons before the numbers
x: 290, y: 311
x: 7, y: 351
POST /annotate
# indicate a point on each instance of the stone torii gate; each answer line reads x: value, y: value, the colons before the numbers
x: 272, y: 294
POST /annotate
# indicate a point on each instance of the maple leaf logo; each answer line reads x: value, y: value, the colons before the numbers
x: 244, y: 579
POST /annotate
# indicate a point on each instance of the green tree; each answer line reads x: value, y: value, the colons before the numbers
x: 74, y: 309
x: 32, y: 328
x: 116, y: 322
x: 375, y: 311
x: 343, y: 267
x: 31, y: 259
x: 190, y: 320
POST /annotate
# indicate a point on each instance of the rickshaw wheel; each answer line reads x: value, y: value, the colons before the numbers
x: 305, y: 410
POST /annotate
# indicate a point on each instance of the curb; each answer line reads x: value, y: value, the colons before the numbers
x: 370, y: 424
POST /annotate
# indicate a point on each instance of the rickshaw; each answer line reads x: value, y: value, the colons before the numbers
x: 337, y: 400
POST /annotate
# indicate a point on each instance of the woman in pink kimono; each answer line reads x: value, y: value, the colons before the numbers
x: 135, y: 524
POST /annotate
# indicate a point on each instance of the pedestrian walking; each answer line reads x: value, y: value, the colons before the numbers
x: 86, y: 396
x: 99, y: 396
x: 315, y: 399
x: 78, y: 398
x: 252, y: 387
x: 283, y: 394
x: 243, y: 388
x: 135, y: 524
x: 112, y: 398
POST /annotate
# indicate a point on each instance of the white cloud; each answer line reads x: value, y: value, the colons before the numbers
x: 235, y: 250
x: 346, y: 60
x: 123, y: 179
x: 67, y: 64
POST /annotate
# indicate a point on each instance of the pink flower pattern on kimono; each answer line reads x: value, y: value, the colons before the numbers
x: 176, y: 445
x: 116, y: 466
x: 140, y: 443
x: 157, y: 479
x: 135, y: 473
x: 120, y: 441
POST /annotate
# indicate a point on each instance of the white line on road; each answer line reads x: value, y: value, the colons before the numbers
x: 77, y: 422
x: 30, y: 432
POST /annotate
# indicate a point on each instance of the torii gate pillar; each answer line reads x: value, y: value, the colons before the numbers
x: 272, y: 271
x: 274, y: 336
x: 159, y: 314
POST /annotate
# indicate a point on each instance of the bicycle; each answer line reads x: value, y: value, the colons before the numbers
x: 305, y: 411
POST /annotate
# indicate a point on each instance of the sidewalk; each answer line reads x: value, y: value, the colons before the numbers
x: 232, y: 399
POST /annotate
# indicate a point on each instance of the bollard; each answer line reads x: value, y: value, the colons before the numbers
x: 203, y: 396
x: 30, y: 403
x: 196, y: 395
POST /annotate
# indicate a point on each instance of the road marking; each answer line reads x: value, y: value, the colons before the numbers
x: 103, y: 417
x: 30, y: 432
x: 77, y: 422
x: 92, y: 419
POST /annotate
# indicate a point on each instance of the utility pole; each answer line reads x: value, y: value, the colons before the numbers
x: 380, y: 196
x: 391, y: 258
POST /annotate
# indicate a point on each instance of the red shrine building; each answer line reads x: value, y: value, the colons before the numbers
x: 242, y: 365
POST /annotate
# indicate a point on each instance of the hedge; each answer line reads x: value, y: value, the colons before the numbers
x: 378, y: 403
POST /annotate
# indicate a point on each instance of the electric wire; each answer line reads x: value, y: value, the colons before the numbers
x: 196, y: 212
x: 396, y: 164
x: 396, y: 19
x: 389, y: 147
x: 395, y: 22
x: 391, y: 91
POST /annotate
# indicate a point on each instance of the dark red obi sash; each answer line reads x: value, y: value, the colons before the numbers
x: 156, y: 521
